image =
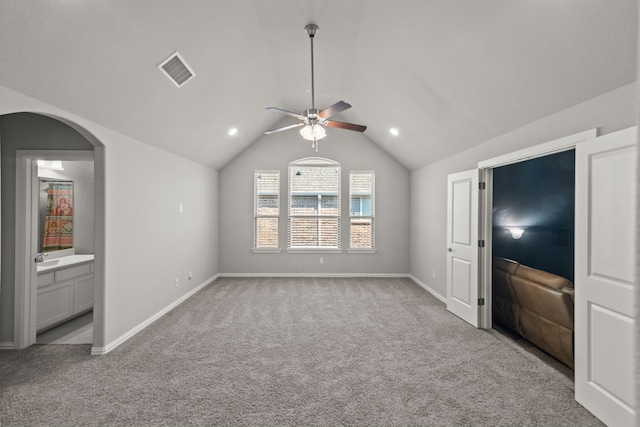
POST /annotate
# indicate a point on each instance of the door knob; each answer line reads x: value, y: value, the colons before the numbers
x: 449, y: 250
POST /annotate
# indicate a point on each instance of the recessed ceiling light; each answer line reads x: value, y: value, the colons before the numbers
x: 394, y: 131
x: 233, y: 131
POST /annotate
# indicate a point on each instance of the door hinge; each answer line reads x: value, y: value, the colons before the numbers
x: 482, y: 185
x: 480, y: 301
x: 481, y: 243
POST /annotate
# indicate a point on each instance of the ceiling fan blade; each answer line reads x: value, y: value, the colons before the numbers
x: 334, y: 109
x: 343, y: 125
x: 288, y: 113
x: 296, y: 125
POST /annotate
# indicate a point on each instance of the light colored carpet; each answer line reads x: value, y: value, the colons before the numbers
x: 294, y: 352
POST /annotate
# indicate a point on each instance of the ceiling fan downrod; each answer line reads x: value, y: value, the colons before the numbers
x: 311, y: 30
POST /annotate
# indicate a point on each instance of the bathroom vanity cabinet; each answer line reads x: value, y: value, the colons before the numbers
x: 63, y: 293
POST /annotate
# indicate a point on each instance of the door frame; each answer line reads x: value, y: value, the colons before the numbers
x: 486, y: 205
x: 26, y: 230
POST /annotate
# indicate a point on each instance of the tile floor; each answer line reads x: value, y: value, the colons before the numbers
x: 75, y: 331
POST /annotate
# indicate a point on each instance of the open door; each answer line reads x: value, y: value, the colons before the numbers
x: 605, y: 276
x: 462, y: 245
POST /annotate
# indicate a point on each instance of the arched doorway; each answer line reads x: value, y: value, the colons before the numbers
x: 25, y: 137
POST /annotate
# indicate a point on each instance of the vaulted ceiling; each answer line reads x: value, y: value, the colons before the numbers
x: 448, y: 74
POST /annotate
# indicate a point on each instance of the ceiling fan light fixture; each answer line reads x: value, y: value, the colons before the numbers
x: 313, y: 132
x: 312, y: 119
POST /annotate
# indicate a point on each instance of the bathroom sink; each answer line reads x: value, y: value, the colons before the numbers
x: 63, y: 262
x: 49, y: 263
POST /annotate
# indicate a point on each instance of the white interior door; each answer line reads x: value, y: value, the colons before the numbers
x: 605, y: 276
x: 462, y: 245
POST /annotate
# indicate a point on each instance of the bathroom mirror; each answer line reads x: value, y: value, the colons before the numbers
x: 55, y: 215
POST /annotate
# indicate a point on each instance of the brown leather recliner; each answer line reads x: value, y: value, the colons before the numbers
x: 545, y: 302
x: 546, y: 311
x: 506, y: 309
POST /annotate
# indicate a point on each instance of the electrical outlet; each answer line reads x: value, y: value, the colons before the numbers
x: 180, y: 207
x: 321, y: 260
x: 177, y: 282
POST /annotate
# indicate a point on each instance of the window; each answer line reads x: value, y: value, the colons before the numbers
x: 361, y: 210
x: 314, y: 204
x: 266, y: 209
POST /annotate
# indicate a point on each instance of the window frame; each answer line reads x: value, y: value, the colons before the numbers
x: 311, y: 162
x: 371, y: 216
x: 256, y: 215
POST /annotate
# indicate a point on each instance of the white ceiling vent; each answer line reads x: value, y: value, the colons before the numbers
x: 177, y: 69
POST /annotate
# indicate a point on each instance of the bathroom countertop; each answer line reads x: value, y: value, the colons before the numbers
x: 66, y: 261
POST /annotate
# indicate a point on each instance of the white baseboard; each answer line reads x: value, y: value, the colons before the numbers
x: 99, y: 351
x: 428, y: 288
x: 383, y: 275
x: 7, y: 346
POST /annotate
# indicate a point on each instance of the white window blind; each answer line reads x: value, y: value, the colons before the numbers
x: 314, y: 204
x: 266, y: 209
x: 361, y: 210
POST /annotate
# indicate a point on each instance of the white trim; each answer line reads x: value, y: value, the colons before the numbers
x: 326, y: 164
x: 266, y: 250
x: 7, y: 346
x: 99, y: 351
x: 269, y: 275
x: 58, y: 154
x: 26, y: 237
x: 372, y: 197
x: 486, y: 206
x: 485, y: 232
x: 25, y: 277
x: 256, y: 173
x: 314, y: 161
x: 362, y: 251
x: 314, y: 250
x: 544, y: 149
x: 428, y: 288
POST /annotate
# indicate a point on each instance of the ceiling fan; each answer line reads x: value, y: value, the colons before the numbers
x: 313, y: 119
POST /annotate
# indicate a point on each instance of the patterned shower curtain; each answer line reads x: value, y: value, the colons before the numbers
x: 58, y: 224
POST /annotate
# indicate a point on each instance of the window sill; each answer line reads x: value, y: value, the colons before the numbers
x: 266, y: 250
x: 362, y: 251
x: 314, y: 251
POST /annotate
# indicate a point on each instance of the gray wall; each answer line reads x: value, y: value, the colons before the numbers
x: 81, y: 173
x: 150, y: 243
x: 609, y: 112
x: 23, y: 131
x: 354, y: 152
